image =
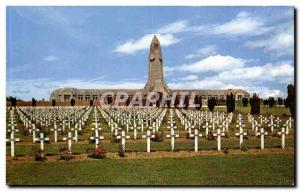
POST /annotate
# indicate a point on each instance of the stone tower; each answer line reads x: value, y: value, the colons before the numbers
x: 156, y: 82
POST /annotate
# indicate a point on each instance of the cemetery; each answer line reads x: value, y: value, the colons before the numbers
x: 92, y: 135
x: 183, y: 134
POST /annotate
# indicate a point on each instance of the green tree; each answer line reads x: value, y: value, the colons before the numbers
x: 245, y: 101
x: 230, y: 103
x: 211, y: 103
x: 291, y: 98
x: 72, y: 102
x: 53, y: 102
x: 255, y: 104
x: 33, y: 102
x: 271, y: 102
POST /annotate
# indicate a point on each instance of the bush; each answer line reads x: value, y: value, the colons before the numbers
x: 210, y: 136
x: 64, y: 154
x: 72, y: 102
x: 33, y: 102
x: 25, y: 131
x: 271, y: 102
x: 266, y: 102
x: 198, y: 102
x: 255, y: 104
x: 39, y: 155
x: 291, y: 98
x: 244, y: 147
x: 279, y: 101
x: 53, y: 102
x: 158, y: 137
x: 286, y: 104
x: 211, y: 103
x: 245, y: 101
x: 230, y: 103
x: 121, y: 151
x: 97, y: 153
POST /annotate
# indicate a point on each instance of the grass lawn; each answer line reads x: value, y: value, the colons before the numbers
x: 266, y: 169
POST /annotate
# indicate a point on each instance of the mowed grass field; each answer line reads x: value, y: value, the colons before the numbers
x: 230, y: 169
x: 263, y: 169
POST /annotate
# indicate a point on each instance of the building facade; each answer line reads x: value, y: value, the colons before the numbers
x: 155, y: 83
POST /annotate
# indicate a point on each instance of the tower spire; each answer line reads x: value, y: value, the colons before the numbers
x: 156, y: 82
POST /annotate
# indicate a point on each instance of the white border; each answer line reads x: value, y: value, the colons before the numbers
x: 4, y: 3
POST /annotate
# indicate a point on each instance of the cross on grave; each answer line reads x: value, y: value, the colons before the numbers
x: 134, y: 131
x: 256, y: 126
x: 123, y: 138
x: 172, y: 136
x: 219, y: 134
x: 286, y: 128
x: 282, y: 133
x: 12, y: 130
x: 241, y: 134
x: 116, y: 128
x: 272, y: 125
x: 271, y: 118
x: 42, y: 139
x: 76, y: 132
x: 206, y: 126
x: 262, y: 134
x: 12, y: 141
x: 148, y: 136
x: 55, y: 129
x: 265, y: 120
x: 69, y: 139
x: 190, y: 127
x: 97, y: 138
x: 278, y: 121
x: 196, y: 135
x: 261, y: 118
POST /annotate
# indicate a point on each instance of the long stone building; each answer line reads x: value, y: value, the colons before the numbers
x: 155, y: 83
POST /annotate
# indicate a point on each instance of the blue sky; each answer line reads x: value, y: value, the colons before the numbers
x: 107, y: 47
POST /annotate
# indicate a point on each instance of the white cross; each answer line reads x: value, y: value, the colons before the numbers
x: 134, y: 131
x: 123, y: 138
x: 262, y: 134
x: 42, y: 139
x: 272, y: 125
x: 172, y: 136
x: 97, y: 138
x: 206, y: 126
x: 55, y: 129
x: 76, y: 132
x: 241, y: 134
x: 219, y: 134
x: 196, y: 135
x: 12, y: 141
x: 282, y: 133
x: 69, y: 139
x: 148, y: 137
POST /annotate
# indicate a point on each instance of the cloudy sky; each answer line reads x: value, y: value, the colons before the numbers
x: 107, y: 47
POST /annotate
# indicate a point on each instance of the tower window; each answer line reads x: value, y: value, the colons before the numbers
x: 156, y: 45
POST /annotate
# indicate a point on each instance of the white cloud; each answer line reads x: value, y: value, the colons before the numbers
x: 42, y: 88
x: 132, y: 46
x: 212, y: 63
x: 281, y: 43
x: 190, y: 77
x: 281, y: 73
x: 50, y: 58
x: 243, y: 24
x: 206, y: 51
x: 178, y: 26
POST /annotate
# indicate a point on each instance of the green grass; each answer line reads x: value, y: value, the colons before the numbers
x: 277, y: 111
x: 268, y: 169
x: 29, y: 150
